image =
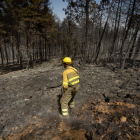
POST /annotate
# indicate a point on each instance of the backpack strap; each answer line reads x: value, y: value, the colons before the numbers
x: 74, y: 70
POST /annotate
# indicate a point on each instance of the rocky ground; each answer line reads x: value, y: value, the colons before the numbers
x: 107, y: 105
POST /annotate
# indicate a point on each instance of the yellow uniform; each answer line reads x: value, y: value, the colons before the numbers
x: 70, y: 77
x: 71, y: 87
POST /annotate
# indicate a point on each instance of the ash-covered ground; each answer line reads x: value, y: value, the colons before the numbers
x: 107, y: 105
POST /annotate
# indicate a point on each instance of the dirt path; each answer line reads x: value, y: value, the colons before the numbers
x: 107, y: 105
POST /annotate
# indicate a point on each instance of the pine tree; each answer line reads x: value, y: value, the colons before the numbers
x: 26, y: 18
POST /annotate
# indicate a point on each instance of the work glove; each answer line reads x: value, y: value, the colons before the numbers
x: 64, y: 89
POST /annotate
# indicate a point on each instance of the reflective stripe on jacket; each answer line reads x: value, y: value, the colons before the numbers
x: 70, y: 77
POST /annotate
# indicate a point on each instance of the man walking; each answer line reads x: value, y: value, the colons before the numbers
x: 70, y: 86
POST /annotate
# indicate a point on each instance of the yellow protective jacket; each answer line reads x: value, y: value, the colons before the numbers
x: 70, y: 77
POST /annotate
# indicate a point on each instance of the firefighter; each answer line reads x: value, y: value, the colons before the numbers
x: 70, y: 86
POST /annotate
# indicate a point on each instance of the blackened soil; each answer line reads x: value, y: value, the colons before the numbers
x: 107, y: 105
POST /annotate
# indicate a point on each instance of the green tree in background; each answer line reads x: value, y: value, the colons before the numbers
x: 30, y: 19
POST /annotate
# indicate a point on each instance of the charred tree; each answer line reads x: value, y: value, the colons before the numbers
x: 2, y: 56
x: 122, y: 59
x: 99, y: 44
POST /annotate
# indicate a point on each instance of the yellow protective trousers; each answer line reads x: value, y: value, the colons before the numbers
x: 68, y: 98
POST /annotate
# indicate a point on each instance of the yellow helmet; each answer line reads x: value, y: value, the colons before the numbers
x: 67, y: 60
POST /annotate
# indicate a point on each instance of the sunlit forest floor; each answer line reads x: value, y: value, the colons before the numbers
x: 107, y: 105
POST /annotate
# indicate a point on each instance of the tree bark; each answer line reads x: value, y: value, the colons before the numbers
x: 136, y: 53
x: 1, y: 50
x: 45, y: 48
x: 85, y: 45
x: 40, y: 50
x: 33, y: 51
x: 99, y: 44
x: 6, y: 54
x: 87, y: 27
x: 124, y: 40
x: 132, y: 48
x: 115, y: 30
x: 13, y: 54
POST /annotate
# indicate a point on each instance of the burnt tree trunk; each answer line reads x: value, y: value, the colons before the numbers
x: 133, y: 45
x: 1, y: 51
x: 136, y: 53
x: 19, y: 55
x: 40, y: 50
x: 33, y: 51
x: 85, y: 45
x: 13, y: 54
x: 6, y: 53
x: 99, y: 44
x: 124, y: 40
x: 115, y: 29
x: 49, y: 51
x: 45, y: 48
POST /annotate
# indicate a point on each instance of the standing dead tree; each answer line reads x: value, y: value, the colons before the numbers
x: 122, y: 57
x: 99, y: 44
